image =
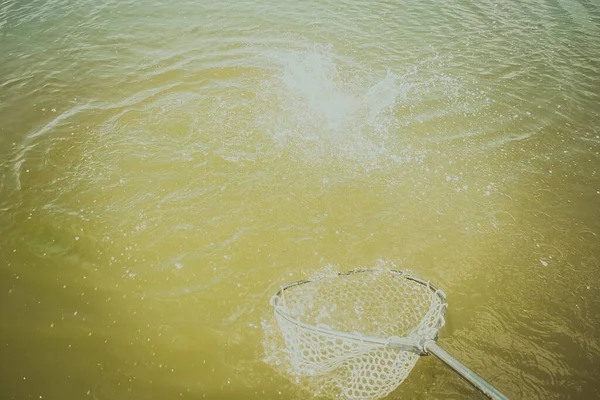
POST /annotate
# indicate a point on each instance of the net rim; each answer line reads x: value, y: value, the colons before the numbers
x: 404, y: 343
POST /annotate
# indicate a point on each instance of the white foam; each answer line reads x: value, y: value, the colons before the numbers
x: 332, y: 111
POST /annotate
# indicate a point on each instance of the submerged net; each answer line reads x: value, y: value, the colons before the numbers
x: 357, y: 335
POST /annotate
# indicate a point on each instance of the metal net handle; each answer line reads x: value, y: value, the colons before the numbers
x: 421, y: 341
x: 431, y: 347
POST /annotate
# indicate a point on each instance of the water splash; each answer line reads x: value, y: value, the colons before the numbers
x: 330, y: 110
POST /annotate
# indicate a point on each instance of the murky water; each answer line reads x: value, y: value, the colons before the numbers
x: 165, y: 166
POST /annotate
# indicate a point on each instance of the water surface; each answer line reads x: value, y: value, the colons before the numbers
x: 165, y: 166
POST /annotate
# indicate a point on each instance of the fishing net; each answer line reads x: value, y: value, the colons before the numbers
x: 357, y: 335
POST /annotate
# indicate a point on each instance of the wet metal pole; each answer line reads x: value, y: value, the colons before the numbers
x: 431, y: 347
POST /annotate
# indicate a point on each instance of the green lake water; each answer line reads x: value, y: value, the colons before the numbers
x: 166, y: 166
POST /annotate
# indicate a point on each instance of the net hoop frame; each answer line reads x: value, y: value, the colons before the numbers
x: 414, y: 342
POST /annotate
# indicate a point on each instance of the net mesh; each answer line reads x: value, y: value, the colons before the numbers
x: 328, y: 326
